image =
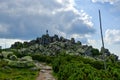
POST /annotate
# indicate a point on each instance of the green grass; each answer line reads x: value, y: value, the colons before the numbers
x: 17, y: 74
x: 7, y: 73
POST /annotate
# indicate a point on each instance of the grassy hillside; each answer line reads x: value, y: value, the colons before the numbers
x: 8, y: 73
x: 70, y: 60
x: 68, y: 67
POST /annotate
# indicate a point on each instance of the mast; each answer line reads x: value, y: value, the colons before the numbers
x: 102, y: 40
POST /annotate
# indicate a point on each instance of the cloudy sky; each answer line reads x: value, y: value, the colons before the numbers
x: 22, y: 20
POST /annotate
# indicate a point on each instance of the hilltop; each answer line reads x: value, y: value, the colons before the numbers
x: 54, y: 45
x: 70, y: 60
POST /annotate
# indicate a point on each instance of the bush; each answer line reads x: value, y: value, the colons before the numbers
x: 1, y: 56
x: 42, y: 58
x: 56, y: 64
x: 95, y: 52
x: 98, y: 65
x: 79, y: 68
x: 3, y: 63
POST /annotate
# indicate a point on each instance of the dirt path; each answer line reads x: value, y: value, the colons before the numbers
x: 45, y: 72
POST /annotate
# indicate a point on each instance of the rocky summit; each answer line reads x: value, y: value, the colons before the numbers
x: 54, y: 45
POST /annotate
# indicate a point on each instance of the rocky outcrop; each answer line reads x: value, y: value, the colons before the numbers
x: 13, y: 57
x: 54, y: 45
x: 13, y: 61
x: 106, y: 51
x: 21, y: 64
x: 6, y: 54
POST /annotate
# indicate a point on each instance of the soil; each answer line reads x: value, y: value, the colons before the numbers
x: 45, y: 72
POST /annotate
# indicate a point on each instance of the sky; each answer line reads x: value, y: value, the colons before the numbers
x: 24, y: 20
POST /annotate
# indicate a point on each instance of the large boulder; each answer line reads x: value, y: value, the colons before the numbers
x: 21, y: 64
x: 6, y: 60
x: 80, y: 51
x: 26, y: 58
x: 55, y: 38
x: 79, y: 43
x: 41, y: 48
x: 72, y: 40
x: 62, y: 45
x: 6, y: 54
x: 106, y: 51
x: 13, y: 57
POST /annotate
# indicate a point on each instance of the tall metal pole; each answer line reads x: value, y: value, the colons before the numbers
x: 102, y: 40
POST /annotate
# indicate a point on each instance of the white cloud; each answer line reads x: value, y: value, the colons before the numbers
x: 92, y: 42
x: 83, y: 38
x: 28, y: 19
x: 105, y: 1
x: 6, y: 43
x: 112, y: 36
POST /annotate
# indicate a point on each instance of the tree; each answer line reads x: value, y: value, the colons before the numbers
x: 95, y: 52
x: 17, y: 45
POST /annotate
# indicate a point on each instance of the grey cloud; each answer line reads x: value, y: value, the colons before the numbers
x: 115, y: 4
x: 27, y: 19
x: 79, y: 27
x: 112, y: 36
x: 73, y: 24
x: 116, y: 7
